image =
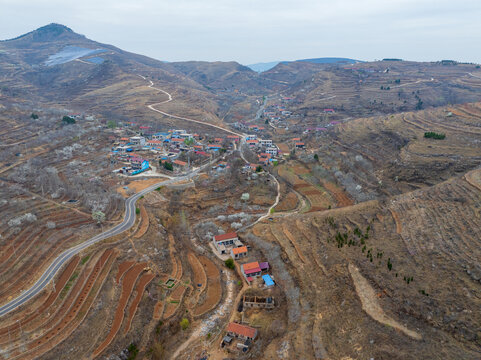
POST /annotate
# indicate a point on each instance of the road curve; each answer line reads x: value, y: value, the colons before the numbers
x: 64, y: 257
x: 151, y: 107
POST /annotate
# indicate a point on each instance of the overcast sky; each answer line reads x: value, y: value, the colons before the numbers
x: 250, y: 31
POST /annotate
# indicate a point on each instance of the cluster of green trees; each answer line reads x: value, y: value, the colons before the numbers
x: 133, y: 351
x: 67, y: 120
x: 230, y: 263
x: 359, y: 239
x: 34, y: 116
x: 433, y: 135
x: 344, y: 239
x: 167, y: 165
x: 419, y: 104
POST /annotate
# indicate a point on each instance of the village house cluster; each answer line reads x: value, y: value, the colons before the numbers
x: 174, y: 150
x: 277, y: 114
x: 255, y: 274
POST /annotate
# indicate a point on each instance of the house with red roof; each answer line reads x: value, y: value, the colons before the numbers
x: 264, y: 161
x: 233, y: 137
x: 300, y: 145
x: 223, y: 242
x: 251, y: 270
x: 240, y: 331
x: 179, y: 163
x: 154, y: 143
x: 252, y: 143
x: 202, y: 153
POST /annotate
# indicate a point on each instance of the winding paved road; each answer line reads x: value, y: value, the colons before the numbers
x: 63, y: 258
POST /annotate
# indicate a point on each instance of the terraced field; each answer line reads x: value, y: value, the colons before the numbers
x: 320, y: 193
x: 36, y: 332
x: 432, y: 244
x: 397, y: 157
x: 29, y: 242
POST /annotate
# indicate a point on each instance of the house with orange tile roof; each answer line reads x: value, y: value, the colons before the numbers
x: 179, y: 163
x: 238, y: 252
x: 250, y: 270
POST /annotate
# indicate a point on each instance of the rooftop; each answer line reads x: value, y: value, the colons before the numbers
x: 250, y: 266
x: 239, y: 250
x: 243, y: 330
x: 268, y: 280
x: 227, y: 236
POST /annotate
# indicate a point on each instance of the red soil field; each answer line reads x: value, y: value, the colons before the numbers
x: 64, y: 317
x: 214, y: 289
x: 158, y: 310
x: 170, y: 310
x: 140, y: 288
x: 80, y: 314
x: 178, y: 293
x: 59, y: 285
x: 123, y: 267
x: 144, y: 225
x: 127, y: 287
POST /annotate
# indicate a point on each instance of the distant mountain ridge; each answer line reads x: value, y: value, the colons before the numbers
x: 261, y: 67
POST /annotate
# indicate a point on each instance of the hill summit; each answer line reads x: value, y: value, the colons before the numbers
x: 50, y: 32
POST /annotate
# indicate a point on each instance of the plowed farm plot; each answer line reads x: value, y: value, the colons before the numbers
x: 28, y: 318
x: 140, y: 288
x: 200, y: 278
x: 72, y: 311
x: 127, y: 287
x: 214, y: 289
x: 144, y: 223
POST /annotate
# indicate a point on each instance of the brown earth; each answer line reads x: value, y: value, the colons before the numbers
x: 287, y: 202
x: 139, y: 289
x: 214, y: 289
x: 127, y: 287
x: 138, y: 185
x: 72, y: 312
x: 178, y: 293
x: 123, y: 267
x: 144, y: 224
x: 59, y: 285
x: 159, y: 307
x: 433, y: 259
x: 199, y: 277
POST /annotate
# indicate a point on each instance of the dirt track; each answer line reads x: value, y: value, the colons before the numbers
x: 371, y: 306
